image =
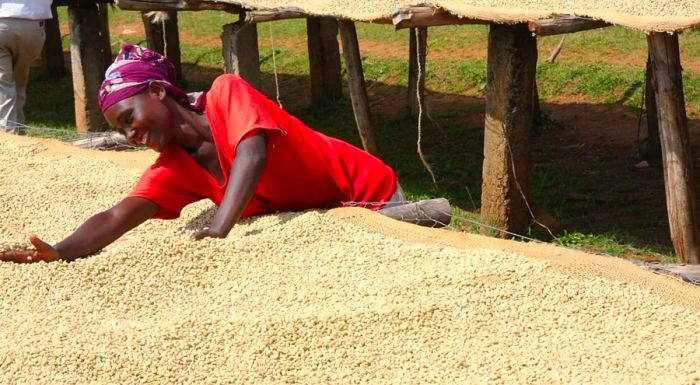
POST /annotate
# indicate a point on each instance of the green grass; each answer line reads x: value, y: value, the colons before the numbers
x: 595, y: 67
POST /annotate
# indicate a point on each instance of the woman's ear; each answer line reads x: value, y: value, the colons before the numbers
x: 156, y: 89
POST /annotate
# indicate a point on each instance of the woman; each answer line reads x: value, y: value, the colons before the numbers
x: 232, y: 145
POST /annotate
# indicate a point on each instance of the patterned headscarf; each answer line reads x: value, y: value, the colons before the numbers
x: 133, y: 69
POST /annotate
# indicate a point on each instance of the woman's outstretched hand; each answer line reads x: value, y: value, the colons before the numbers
x: 208, y: 233
x: 42, y: 252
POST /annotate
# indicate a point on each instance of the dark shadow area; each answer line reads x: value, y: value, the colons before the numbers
x: 629, y: 92
x: 204, y: 218
x: 583, y: 162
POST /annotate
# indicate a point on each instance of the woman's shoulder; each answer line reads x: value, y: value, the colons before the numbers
x: 226, y: 81
x: 228, y: 90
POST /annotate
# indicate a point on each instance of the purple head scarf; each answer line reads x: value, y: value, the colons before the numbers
x: 133, y: 69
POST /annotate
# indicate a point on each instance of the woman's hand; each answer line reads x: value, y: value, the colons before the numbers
x: 208, y: 233
x: 43, y: 252
x: 245, y: 172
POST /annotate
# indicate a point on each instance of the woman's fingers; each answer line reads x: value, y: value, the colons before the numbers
x: 18, y: 256
x: 40, y: 245
x: 44, y: 252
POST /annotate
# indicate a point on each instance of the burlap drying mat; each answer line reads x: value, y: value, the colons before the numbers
x: 645, y: 15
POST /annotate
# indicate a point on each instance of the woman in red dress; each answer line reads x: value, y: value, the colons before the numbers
x: 231, y: 145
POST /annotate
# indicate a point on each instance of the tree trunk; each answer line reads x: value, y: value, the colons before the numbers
x: 104, y: 34
x: 241, y: 54
x: 356, y: 83
x: 87, y: 58
x: 675, y: 145
x: 324, y: 59
x: 164, y: 38
x: 512, y: 60
x: 53, y: 48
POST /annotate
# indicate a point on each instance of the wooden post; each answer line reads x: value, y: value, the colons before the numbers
x: 356, y: 84
x: 163, y: 37
x: 87, y: 65
x: 240, y: 49
x: 324, y: 59
x: 154, y: 33
x: 53, y: 48
x: 651, y: 150
x: 676, y: 155
x: 418, y: 44
x: 172, y: 42
x: 103, y: 9
x: 512, y: 59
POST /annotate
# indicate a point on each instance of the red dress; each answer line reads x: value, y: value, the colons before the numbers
x: 304, y: 168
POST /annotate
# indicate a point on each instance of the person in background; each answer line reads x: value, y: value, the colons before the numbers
x: 21, y: 40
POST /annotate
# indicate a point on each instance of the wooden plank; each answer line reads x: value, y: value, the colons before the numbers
x: 428, y: 16
x: 324, y: 59
x: 240, y: 50
x: 418, y: 45
x: 162, y: 36
x: 356, y: 84
x: 564, y: 24
x: 87, y: 63
x: 512, y: 59
x: 430, y: 212
x: 274, y: 14
x: 177, y: 5
x: 675, y: 145
x: 53, y: 48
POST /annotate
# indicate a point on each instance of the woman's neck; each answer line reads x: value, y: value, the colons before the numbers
x: 192, y: 128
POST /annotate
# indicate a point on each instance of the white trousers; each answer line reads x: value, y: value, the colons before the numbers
x: 21, y: 41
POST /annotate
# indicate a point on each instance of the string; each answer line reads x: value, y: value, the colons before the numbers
x: 419, y: 100
x: 274, y: 66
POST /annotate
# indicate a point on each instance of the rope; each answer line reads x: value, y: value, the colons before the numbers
x: 419, y: 100
x: 522, y: 193
x: 274, y: 66
x: 165, y: 39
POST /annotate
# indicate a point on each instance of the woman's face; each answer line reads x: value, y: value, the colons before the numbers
x: 144, y: 119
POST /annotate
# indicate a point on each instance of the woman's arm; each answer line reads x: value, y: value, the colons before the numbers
x: 97, y: 232
x: 245, y: 173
